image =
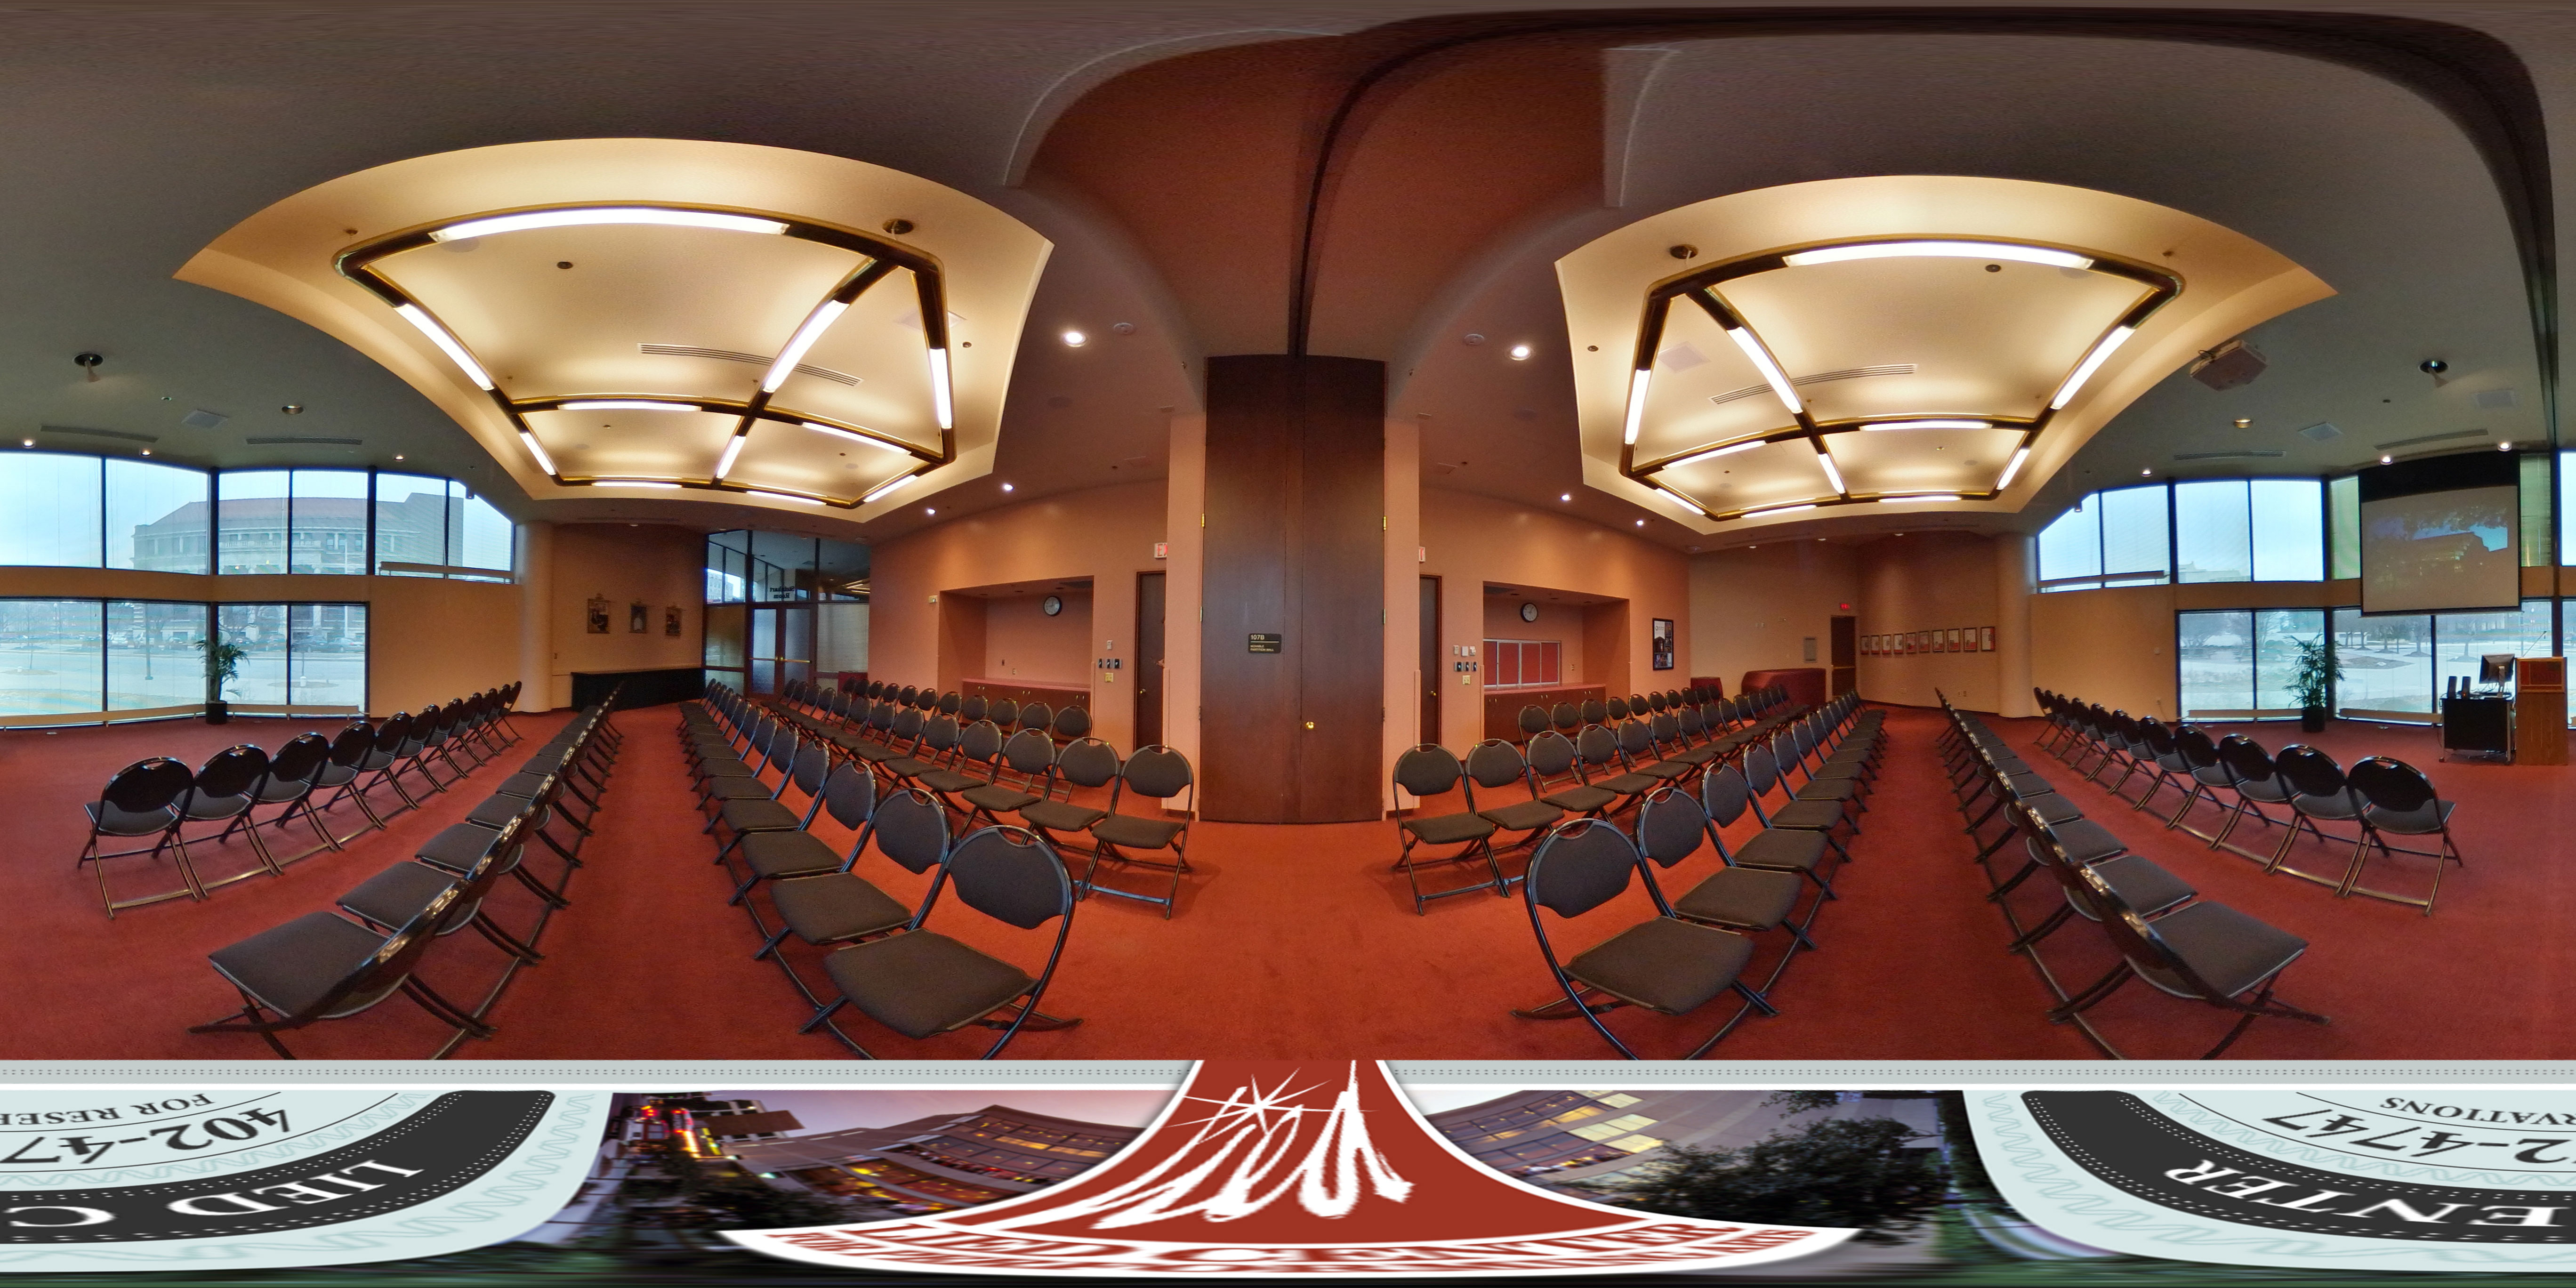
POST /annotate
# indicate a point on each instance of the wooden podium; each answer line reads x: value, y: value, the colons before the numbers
x: 2540, y: 710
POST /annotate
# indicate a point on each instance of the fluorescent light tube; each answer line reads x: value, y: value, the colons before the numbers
x: 1752, y: 345
x: 1714, y: 453
x: 1932, y: 423
x: 2012, y: 467
x: 633, y: 483
x: 1919, y: 496
x: 837, y: 432
x: 626, y: 404
x: 887, y: 486
x: 1636, y: 404
x: 942, y: 405
x: 537, y: 450
x: 606, y: 215
x: 1780, y: 509
x: 1684, y: 502
x: 783, y: 496
x: 1944, y: 249
x: 446, y: 343
x: 2092, y: 361
x: 1832, y: 475
x: 816, y: 323
x: 733, y: 448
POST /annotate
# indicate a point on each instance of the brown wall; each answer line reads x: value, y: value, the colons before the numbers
x: 1472, y: 540
x: 1022, y: 642
x: 1105, y: 534
x: 657, y: 564
x: 1751, y: 607
x: 1922, y: 582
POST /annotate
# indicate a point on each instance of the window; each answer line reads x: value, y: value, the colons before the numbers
x: 483, y: 535
x: 152, y: 657
x: 2242, y: 660
x: 1522, y: 663
x: 250, y: 521
x: 2289, y: 529
x: 2536, y: 552
x: 50, y: 655
x: 49, y: 510
x: 2109, y: 539
x: 157, y: 517
x: 2071, y: 548
x: 411, y: 523
x: 2344, y: 503
x: 327, y: 522
x: 2387, y: 662
x: 2213, y: 532
x: 2460, y: 639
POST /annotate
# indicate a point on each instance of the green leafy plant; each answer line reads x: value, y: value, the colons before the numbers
x: 223, y: 664
x: 2318, y: 667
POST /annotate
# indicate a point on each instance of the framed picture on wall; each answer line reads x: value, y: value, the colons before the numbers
x: 1950, y: 641
x: 671, y: 620
x: 1662, y: 634
x: 1914, y: 641
x: 596, y: 619
x: 636, y: 613
x: 1985, y: 639
x: 1967, y: 639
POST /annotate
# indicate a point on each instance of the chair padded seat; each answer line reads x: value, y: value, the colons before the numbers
x: 2085, y: 841
x: 994, y: 798
x: 836, y: 906
x: 1060, y: 816
x: 2231, y: 950
x: 1670, y: 771
x: 739, y: 789
x: 946, y: 782
x: 763, y: 815
x: 1522, y: 816
x: 2423, y: 820
x: 1630, y: 784
x: 205, y: 809
x: 2337, y: 809
x: 1782, y: 849
x: 2054, y: 809
x: 923, y: 982
x: 1450, y: 829
x: 720, y: 769
x: 457, y: 848
x: 523, y: 785
x: 1808, y: 816
x: 116, y: 822
x: 1840, y: 771
x: 1581, y: 800
x: 497, y: 810
x: 2143, y: 885
x: 787, y: 854
x: 393, y: 897
x: 1666, y: 965
x: 873, y: 753
x: 289, y: 967
x: 1135, y: 831
x: 1828, y: 789
x: 1754, y: 898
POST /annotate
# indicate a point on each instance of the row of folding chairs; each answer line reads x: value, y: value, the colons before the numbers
x: 880, y: 957
x: 1715, y: 713
x: 982, y: 775
x: 161, y: 799
x: 2377, y: 799
x: 2156, y: 923
x: 1697, y: 948
x: 341, y: 962
x: 879, y: 703
x: 1605, y: 772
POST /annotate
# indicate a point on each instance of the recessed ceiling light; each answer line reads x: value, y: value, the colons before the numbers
x: 2145, y: 473
x: 1565, y: 496
x: 148, y: 451
x: 2501, y: 447
x: 606, y: 215
x: 1074, y: 339
x: 1520, y: 353
x: 1641, y: 523
x: 398, y: 456
x: 2386, y: 459
x: 1947, y: 249
x: 927, y: 510
x: 1712, y: 455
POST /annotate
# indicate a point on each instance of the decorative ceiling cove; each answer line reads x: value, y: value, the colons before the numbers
x: 1927, y: 342
x: 668, y: 317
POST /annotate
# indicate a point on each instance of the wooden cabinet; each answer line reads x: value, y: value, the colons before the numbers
x: 1503, y: 706
x: 2540, y: 711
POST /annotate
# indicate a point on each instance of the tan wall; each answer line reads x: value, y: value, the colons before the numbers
x: 1022, y: 642
x: 661, y: 566
x: 2111, y: 647
x: 1105, y: 534
x: 1752, y: 608
x: 1930, y: 581
x: 1471, y: 540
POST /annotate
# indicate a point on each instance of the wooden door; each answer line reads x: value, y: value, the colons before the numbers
x: 1846, y: 656
x: 1149, y: 659
x: 1432, y: 671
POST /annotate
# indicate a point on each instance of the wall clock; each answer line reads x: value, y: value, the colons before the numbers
x: 1529, y: 612
x: 1053, y: 605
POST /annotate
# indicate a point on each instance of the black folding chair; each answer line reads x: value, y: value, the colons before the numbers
x: 2397, y: 800
x: 1155, y: 774
x: 143, y: 799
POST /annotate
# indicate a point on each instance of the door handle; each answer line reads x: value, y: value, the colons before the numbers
x: 1310, y: 724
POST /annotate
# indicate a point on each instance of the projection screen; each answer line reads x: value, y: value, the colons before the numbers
x: 2441, y: 534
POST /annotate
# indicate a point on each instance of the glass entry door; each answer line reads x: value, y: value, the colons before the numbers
x: 782, y: 646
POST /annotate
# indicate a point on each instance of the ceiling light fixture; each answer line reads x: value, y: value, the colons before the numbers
x: 1714, y: 453
x: 1641, y: 523
x: 1919, y: 496
x: 1636, y: 404
x: 1565, y: 496
x: 1684, y: 502
x: 1074, y: 339
x: 2012, y: 467
x: 1932, y: 423
x: 1942, y: 249
x: 1520, y: 353
x: 2386, y: 459
x: 784, y: 496
x: 837, y: 432
x: 634, y: 483
x: 1007, y: 487
x: 940, y: 404
x: 2092, y: 361
x: 887, y: 486
x: 1832, y: 476
x: 1781, y: 509
x: 446, y: 343
x: 1779, y: 380
x: 626, y: 404
x: 2501, y: 447
x: 732, y: 449
x: 537, y: 450
x: 606, y: 215
x: 816, y: 323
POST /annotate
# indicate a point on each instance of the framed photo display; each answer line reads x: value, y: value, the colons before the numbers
x: 1985, y: 639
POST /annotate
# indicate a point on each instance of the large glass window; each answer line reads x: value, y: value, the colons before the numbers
x: 2343, y: 498
x: 49, y: 510
x: 329, y: 522
x: 2213, y: 533
x: 2071, y: 548
x: 50, y: 656
x: 2387, y: 662
x: 2289, y: 529
x: 2242, y: 660
x: 2536, y: 552
x: 728, y: 567
x: 483, y: 534
x: 158, y: 517
x: 250, y: 521
x: 2460, y: 639
x: 411, y: 523
x: 260, y: 630
x: 326, y: 657
x: 2135, y: 537
x: 152, y: 657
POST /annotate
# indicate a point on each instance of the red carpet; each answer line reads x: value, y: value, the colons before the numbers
x: 1298, y: 941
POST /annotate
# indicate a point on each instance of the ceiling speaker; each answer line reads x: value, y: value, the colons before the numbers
x: 2229, y: 366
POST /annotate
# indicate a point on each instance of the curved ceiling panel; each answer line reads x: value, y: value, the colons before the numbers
x: 713, y: 319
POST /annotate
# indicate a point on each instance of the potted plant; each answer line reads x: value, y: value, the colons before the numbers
x: 223, y: 665
x: 2312, y: 682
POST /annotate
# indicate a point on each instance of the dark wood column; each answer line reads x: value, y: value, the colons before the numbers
x: 1295, y: 549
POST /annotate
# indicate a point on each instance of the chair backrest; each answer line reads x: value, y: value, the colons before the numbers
x: 396, y: 729
x: 1495, y: 762
x: 850, y: 794
x: 981, y: 741
x: 1596, y: 745
x: 911, y: 828
x: 2134, y: 936
x: 1666, y: 727
x: 974, y: 707
x: 1157, y: 771
x: 941, y: 733
x: 1670, y: 826
x: 2391, y: 784
x: 1784, y: 749
x: 810, y: 766
x: 2196, y: 748
x: 2309, y: 772
x: 1636, y: 739
x: 231, y: 772
x: 908, y: 695
x: 948, y: 703
x: 1009, y: 874
x: 1088, y: 762
x: 1030, y: 751
x: 350, y: 749
x: 1533, y: 720
x: 1595, y: 711
x: 1428, y: 770
x: 1689, y: 721
x: 881, y: 716
x: 1550, y: 754
x: 1659, y: 701
x: 1723, y: 794
x: 2159, y: 739
x: 2245, y: 759
x: 1036, y: 715
x: 876, y: 690
x: 1761, y: 769
x: 147, y: 785
x: 1073, y: 722
x: 299, y: 758
x: 1615, y: 708
x: 1004, y: 712
x: 1583, y: 864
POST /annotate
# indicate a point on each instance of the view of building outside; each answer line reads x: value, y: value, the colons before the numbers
x: 83, y: 656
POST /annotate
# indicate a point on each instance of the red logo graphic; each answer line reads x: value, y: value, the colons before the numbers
x: 1277, y: 1169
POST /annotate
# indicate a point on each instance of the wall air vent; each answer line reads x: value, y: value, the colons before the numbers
x: 1848, y: 373
x: 730, y: 355
x: 99, y: 433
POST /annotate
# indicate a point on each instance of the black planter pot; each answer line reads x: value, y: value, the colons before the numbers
x: 2312, y: 719
x: 219, y: 713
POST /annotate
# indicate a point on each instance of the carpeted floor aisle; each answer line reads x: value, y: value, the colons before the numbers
x: 1299, y: 941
